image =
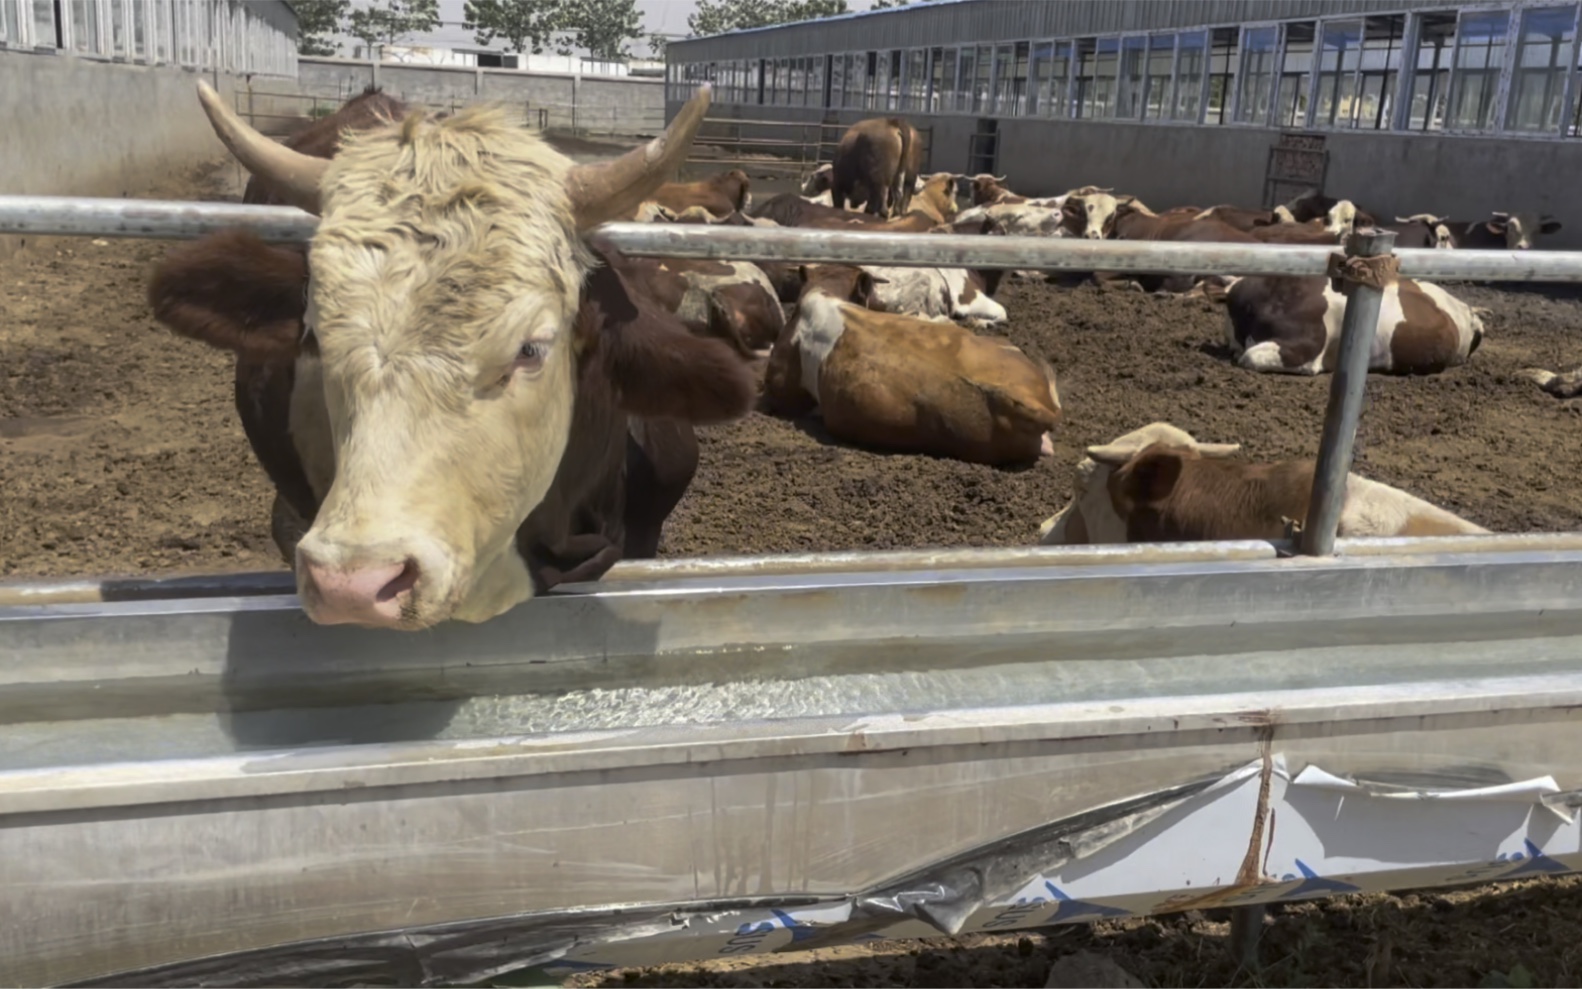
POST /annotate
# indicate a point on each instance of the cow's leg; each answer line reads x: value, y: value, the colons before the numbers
x: 661, y: 459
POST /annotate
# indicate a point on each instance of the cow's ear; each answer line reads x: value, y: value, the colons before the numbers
x: 654, y: 366
x: 233, y: 291
x: 1549, y: 226
x: 1151, y: 477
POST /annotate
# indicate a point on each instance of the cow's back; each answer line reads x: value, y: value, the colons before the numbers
x: 935, y: 388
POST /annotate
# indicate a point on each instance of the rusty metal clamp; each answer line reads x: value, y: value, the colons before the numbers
x: 1375, y: 272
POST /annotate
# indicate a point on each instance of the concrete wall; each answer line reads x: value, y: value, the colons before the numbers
x: 1390, y: 173
x: 80, y: 127
x: 587, y: 104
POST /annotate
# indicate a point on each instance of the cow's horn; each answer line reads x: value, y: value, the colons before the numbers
x: 1217, y: 449
x: 607, y: 190
x: 293, y: 175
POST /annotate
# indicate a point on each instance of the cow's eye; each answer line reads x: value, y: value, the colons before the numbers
x: 531, y: 357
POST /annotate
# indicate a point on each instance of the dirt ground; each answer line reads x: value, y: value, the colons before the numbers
x: 120, y: 452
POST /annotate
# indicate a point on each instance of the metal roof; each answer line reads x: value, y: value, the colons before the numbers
x: 949, y: 22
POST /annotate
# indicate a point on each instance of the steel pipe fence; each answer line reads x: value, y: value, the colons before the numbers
x: 84, y: 216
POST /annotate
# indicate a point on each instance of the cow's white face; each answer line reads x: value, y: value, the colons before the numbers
x: 1341, y: 219
x: 1521, y: 230
x: 1091, y: 516
x: 1092, y: 213
x: 445, y: 282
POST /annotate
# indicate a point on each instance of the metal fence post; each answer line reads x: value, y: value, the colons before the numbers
x: 1346, y: 389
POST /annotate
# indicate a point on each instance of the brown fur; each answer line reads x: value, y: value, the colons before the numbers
x: 899, y: 383
x: 233, y: 291
x: 1284, y: 308
x: 1245, y: 220
x: 322, y: 138
x: 1171, y: 494
x: 877, y: 161
x: 1308, y: 232
x: 1425, y: 341
x: 719, y: 194
x: 987, y: 191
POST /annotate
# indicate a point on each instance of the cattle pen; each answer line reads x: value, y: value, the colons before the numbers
x: 739, y: 755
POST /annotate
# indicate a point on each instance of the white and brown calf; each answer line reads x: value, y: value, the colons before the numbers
x: 1159, y: 484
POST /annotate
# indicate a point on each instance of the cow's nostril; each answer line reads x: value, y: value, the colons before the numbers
x: 403, y: 582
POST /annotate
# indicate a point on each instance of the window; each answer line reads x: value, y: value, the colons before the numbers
x: 897, y: 62
x: 85, y: 26
x: 871, y: 82
x: 10, y: 32
x: 161, y: 25
x: 837, y: 80
x: 1338, y: 62
x: 1296, y: 65
x: 1538, y: 80
x: 983, y: 68
x: 1222, y: 73
x: 139, y: 15
x: 1382, y: 52
x: 1189, y: 76
x: 1431, y: 75
x: 961, y: 99
x: 1098, y: 62
x: 1257, y: 75
x: 1480, y: 54
x: 44, y: 35
x: 1010, y: 85
x: 943, y: 81
x: 917, y: 79
x: 1129, y: 94
x: 1156, y: 88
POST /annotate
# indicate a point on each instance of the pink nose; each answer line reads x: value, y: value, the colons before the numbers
x: 364, y: 595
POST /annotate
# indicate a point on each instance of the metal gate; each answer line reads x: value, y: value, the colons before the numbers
x: 1297, y: 162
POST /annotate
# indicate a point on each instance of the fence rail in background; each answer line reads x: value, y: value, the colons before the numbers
x: 84, y: 216
x: 792, y: 147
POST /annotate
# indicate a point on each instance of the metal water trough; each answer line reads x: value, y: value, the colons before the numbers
x: 715, y: 757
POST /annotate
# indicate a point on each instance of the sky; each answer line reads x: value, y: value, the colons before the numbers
x: 668, y: 17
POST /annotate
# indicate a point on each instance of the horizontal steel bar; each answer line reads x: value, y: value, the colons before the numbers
x: 90, y: 217
x: 82, y: 216
x: 37, y: 592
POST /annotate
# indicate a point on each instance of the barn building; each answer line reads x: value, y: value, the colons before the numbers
x: 1403, y: 105
x: 97, y: 96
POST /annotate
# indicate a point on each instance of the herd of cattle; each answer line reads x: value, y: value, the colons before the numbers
x: 464, y: 395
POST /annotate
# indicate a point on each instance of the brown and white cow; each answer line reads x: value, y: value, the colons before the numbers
x: 461, y: 399
x: 959, y: 294
x: 905, y: 384
x: 1506, y: 231
x: 1333, y: 228
x: 877, y: 161
x: 1291, y: 325
x: 1159, y: 484
x: 719, y: 194
x: 1019, y: 219
x: 734, y: 301
x: 1423, y: 231
x: 1564, y: 384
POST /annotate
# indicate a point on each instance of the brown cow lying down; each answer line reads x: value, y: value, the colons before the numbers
x: 719, y: 194
x: 732, y: 301
x: 461, y: 400
x: 901, y: 383
x: 1157, y: 484
x: 1291, y: 325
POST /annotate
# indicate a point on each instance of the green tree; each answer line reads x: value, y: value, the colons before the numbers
x: 317, y: 21
x: 523, y: 24
x: 657, y: 44
x: 603, y: 27
x: 391, y: 21
x: 719, y: 16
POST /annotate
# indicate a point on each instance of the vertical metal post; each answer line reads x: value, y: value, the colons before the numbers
x: 1345, y: 398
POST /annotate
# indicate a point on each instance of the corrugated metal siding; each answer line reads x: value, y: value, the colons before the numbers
x: 948, y: 22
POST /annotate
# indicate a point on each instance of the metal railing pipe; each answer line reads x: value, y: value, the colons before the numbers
x: 1346, y: 388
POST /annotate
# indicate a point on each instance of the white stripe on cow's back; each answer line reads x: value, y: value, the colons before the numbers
x: 821, y: 320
